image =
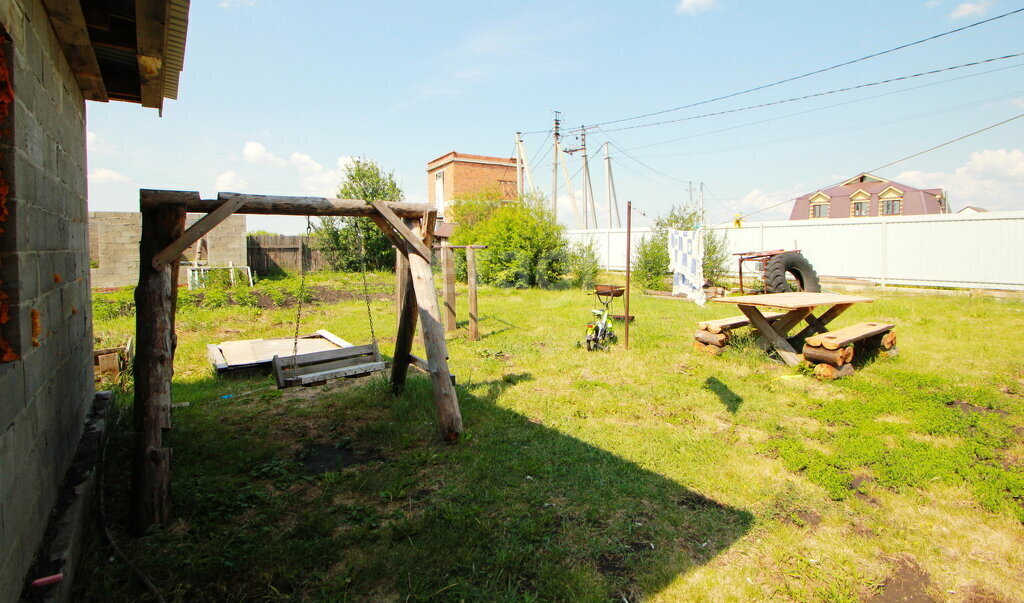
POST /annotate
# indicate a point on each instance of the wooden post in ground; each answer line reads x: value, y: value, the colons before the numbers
x: 405, y: 299
x: 155, y: 300
x: 448, y: 269
x: 449, y: 418
x: 474, y: 327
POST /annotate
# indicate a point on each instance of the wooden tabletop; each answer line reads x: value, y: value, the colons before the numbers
x: 793, y: 301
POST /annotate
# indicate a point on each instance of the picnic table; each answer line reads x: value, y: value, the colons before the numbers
x: 799, y: 307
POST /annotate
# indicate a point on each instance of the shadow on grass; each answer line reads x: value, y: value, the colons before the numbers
x: 517, y: 510
x: 729, y: 398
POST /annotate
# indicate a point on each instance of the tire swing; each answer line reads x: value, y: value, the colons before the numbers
x: 792, y: 263
x: 317, y: 368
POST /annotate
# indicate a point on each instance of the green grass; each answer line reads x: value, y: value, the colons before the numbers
x: 655, y: 472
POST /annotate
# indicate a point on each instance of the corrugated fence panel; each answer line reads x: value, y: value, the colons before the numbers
x: 978, y: 250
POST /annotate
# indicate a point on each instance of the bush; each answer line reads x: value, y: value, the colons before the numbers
x: 113, y: 304
x: 243, y: 296
x: 526, y: 245
x: 652, y: 258
x: 215, y: 297
x: 651, y: 263
x: 583, y: 264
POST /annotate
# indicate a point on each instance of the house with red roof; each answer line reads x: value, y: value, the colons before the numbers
x: 866, y: 195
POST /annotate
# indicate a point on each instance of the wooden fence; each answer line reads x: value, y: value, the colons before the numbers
x: 269, y: 254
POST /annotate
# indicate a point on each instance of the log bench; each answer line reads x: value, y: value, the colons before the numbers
x: 833, y: 352
x: 712, y: 336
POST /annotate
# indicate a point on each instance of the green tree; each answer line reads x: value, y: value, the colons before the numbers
x: 652, y: 259
x: 337, y: 238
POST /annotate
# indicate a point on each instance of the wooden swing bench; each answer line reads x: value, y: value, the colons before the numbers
x: 317, y: 368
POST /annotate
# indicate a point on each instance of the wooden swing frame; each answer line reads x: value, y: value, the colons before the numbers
x: 409, y: 227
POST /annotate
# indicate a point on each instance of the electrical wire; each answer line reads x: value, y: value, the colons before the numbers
x: 892, y: 163
x: 815, y: 95
x: 811, y: 73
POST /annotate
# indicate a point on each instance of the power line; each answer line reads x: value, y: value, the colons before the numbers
x: 815, y: 95
x: 832, y: 106
x: 892, y: 163
x: 815, y: 72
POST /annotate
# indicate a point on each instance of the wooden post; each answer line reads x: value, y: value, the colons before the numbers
x: 405, y: 299
x: 155, y: 300
x: 449, y: 417
x: 474, y: 327
x: 448, y: 269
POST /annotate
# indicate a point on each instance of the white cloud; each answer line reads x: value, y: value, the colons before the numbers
x: 254, y: 152
x: 971, y: 9
x: 769, y: 205
x: 993, y: 179
x: 1018, y: 102
x: 692, y: 7
x: 235, y: 3
x: 96, y: 145
x: 107, y: 176
x: 932, y: 3
x: 228, y: 181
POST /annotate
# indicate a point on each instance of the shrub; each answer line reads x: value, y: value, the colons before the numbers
x: 215, y: 297
x: 526, y: 245
x: 651, y: 263
x: 114, y: 304
x: 583, y: 264
x: 652, y: 258
x: 243, y: 296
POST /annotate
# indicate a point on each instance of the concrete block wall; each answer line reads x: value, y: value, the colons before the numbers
x: 46, y: 382
x: 114, y: 246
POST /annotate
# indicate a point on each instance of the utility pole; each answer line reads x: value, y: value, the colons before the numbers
x: 590, y: 208
x: 569, y: 187
x: 525, y: 165
x: 554, y: 166
x: 610, y: 186
x: 689, y: 189
x: 519, y: 164
x: 701, y: 205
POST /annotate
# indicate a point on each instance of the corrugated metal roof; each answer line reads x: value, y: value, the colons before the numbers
x: 174, y: 48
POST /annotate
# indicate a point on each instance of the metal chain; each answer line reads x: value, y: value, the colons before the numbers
x: 302, y: 290
x: 366, y: 288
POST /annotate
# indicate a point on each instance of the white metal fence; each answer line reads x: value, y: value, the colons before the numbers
x: 977, y: 250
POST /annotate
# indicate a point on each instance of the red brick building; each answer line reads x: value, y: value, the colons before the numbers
x: 454, y: 174
x: 866, y: 195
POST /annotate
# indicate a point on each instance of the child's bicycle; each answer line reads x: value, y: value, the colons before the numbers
x: 599, y: 332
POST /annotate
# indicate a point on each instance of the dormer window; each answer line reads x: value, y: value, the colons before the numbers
x: 819, y: 205
x: 890, y: 201
x: 860, y: 203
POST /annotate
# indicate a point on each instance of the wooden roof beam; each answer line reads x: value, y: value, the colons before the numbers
x: 68, y: 22
x: 279, y: 205
x: 150, y: 34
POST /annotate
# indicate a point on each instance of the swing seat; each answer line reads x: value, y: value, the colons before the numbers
x: 318, y: 367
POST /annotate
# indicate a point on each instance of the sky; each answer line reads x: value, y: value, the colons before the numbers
x: 276, y: 97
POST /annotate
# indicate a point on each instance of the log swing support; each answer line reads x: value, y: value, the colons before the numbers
x: 409, y: 226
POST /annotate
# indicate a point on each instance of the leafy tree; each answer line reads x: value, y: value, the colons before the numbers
x: 652, y: 259
x: 583, y: 264
x: 526, y: 245
x: 337, y: 237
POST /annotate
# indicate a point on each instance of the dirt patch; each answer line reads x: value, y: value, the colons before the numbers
x: 908, y: 583
x: 610, y: 564
x: 808, y: 518
x: 692, y: 500
x: 855, y: 485
x: 324, y: 458
x: 967, y: 407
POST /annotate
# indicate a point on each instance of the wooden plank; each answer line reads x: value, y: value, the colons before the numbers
x: 794, y: 300
x: 733, y: 322
x: 792, y: 318
x: 709, y: 338
x: 766, y: 331
x: 351, y: 371
x: 338, y: 341
x: 150, y: 33
x: 216, y: 357
x: 474, y: 326
x: 278, y: 364
x: 836, y: 339
x: 405, y: 298
x: 328, y: 355
x: 385, y: 227
x: 69, y: 24
x: 422, y: 365
x: 448, y: 274
x: 278, y: 205
x: 108, y: 363
x: 447, y: 403
x: 411, y: 239
x: 820, y: 324
x: 155, y: 300
x: 195, y: 232
x: 292, y: 372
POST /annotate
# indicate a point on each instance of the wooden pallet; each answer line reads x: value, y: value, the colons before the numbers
x: 318, y: 367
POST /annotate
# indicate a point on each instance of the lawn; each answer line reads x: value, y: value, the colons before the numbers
x: 654, y: 473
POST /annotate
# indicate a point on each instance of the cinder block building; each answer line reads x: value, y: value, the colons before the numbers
x: 454, y: 174
x: 55, y: 55
x: 114, y: 246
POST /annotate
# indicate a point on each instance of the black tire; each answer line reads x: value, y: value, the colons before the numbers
x: 791, y: 262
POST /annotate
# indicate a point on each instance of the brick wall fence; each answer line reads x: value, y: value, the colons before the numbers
x: 46, y: 382
x: 114, y: 246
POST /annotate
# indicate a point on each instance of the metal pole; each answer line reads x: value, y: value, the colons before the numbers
x: 554, y: 169
x: 629, y: 227
x: 590, y: 208
x: 519, y: 164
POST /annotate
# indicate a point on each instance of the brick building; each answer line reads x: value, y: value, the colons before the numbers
x: 454, y: 174
x: 52, y: 59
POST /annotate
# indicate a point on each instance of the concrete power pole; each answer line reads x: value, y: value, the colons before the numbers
x: 524, y: 168
x: 519, y: 164
x: 554, y: 166
x: 613, y: 201
x: 589, y: 207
